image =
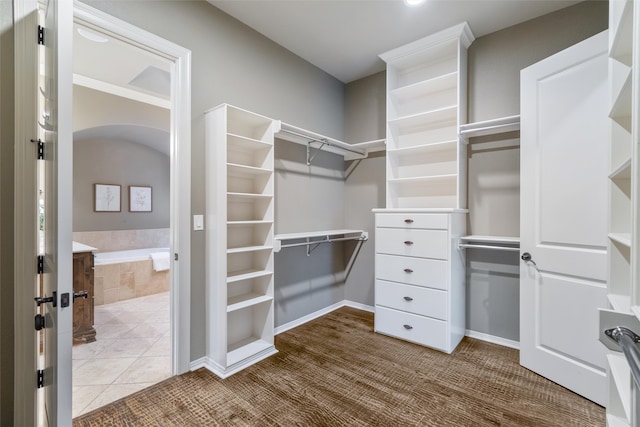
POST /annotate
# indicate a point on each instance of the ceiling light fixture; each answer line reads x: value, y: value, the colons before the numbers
x: 413, y: 3
x: 90, y: 35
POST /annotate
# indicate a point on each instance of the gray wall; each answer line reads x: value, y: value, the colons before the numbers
x: 365, y: 112
x: 6, y: 212
x: 308, y: 198
x: 495, y: 61
x: 234, y: 64
x: 123, y: 163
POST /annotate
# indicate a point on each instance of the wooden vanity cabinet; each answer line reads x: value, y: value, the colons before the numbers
x: 83, y: 330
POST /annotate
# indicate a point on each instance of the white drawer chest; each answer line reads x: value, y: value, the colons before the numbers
x: 420, y: 276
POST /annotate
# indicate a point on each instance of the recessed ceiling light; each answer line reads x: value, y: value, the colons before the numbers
x: 90, y: 35
x: 414, y: 2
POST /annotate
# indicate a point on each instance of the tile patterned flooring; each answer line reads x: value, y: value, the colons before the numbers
x: 132, y: 352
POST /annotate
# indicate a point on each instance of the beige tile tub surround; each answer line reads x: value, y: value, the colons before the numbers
x: 123, y: 281
x: 122, y: 240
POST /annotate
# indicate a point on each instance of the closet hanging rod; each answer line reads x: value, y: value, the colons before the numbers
x: 495, y: 247
x: 324, y: 141
x: 358, y: 235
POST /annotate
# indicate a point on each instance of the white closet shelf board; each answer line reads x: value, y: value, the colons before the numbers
x: 621, y: 45
x: 239, y: 276
x: 621, y: 374
x: 304, y: 137
x: 623, y: 171
x: 246, y: 300
x: 327, y: 235
x: 490, y: 127
x: 427, y: 87
x: 622, y: 238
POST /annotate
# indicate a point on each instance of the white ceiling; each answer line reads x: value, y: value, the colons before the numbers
x: 345, y: 37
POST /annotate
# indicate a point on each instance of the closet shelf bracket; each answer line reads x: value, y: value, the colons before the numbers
x: 310, y: 157
x: 313, y: 239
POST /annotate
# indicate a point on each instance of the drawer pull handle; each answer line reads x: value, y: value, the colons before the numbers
x: 408, y: 327
x: 408, y: 242
x: 408, y: 221
x: 408, y: 270
x: 408, y: 299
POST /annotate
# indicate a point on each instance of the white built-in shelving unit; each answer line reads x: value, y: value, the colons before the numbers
x: 426, y: 104
x: 624, y: 212
x: 419, y: 267
x: 239, y: 238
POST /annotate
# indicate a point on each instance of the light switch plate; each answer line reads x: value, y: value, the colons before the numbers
x: 198, y: 222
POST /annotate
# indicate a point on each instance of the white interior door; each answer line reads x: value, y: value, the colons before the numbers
x: 563, y: 219
x: 55, y: 121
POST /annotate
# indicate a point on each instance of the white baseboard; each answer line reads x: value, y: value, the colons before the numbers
x: 359, y: 306
x: 198, y: 363
x: 309, y: 317
x: 493, y: 339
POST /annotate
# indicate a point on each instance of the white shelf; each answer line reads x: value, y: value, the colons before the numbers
x: 445, y: 114
x: 245, y: 143
x: 621, y: 374
x: 490, y: 127
x: 248, y: 196
x: 621, y: 109
x: 240, y: 223
x: 246, y: 300
x: 426, y: 87
x: 312, y: 237
x: 424, y: 148
x: 302, y: 136
x: 246, y: 348
x: 615, y: 421
x: 622, y: 172
x: 622, y: 32
x: 490, y: 242
x: 622, y: 238
x: 311, y: 234
x: 422, y: 179
x: 238, y: 276
x: 248, y: 249
x: 233, y: 169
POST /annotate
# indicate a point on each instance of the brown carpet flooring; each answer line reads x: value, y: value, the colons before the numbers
x: 334, y: 371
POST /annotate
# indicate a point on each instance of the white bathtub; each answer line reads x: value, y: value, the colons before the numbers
x: 115, y: 257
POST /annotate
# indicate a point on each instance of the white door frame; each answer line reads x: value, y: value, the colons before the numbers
x: 180, y: 166
x: 25, y: 18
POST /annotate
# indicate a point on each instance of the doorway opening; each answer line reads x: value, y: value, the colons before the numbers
x: 131, y: 125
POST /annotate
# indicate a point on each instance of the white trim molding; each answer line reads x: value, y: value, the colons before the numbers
x: 492, y: 339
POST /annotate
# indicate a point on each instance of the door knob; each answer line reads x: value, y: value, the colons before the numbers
x: 526, y: 257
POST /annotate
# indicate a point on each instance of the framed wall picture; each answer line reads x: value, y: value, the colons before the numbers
x: 139, y: 198
x: 106, y: 197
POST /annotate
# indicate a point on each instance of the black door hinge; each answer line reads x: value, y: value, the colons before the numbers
x: 40, y: 266
x: 40, y: 35
x: 40, y: 148
x: 40, y: 381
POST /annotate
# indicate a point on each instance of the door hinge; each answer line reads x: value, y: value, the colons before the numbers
x: 40, y: 380
x: 40, y: 264
x: 40, y: 34
x: 40, y: 148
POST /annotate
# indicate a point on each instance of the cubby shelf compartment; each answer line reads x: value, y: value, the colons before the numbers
x: 249, y: 348
x: 245, y: 249
x: 619, y: 302
x: 621, y: 109
x: 623, y: 171
x: 445, y: 114
x: 622, y: 238
x: 621, y: 44
x: 233, y: 169
x: 621, y: 378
